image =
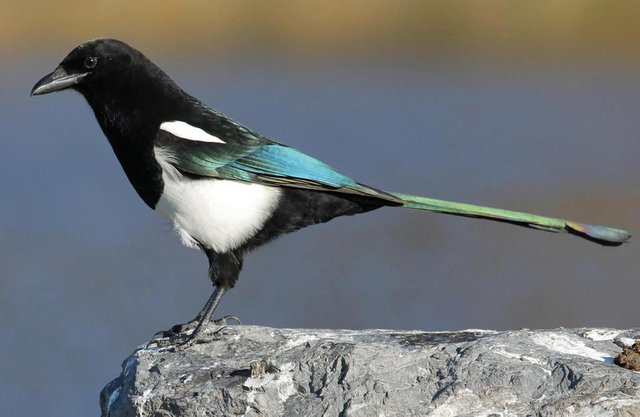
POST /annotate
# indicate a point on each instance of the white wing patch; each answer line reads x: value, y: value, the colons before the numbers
x: 219, y: 214
x: 186, y: 131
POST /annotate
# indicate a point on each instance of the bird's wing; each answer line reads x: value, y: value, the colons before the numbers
x: 248, y: 157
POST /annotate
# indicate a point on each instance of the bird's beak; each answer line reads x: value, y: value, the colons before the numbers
x: 56, y: 81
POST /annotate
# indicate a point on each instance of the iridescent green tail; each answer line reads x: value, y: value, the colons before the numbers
x: 600, y: 234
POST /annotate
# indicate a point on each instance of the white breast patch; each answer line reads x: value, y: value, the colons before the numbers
x: 220, y: 214
x: 186, y: 131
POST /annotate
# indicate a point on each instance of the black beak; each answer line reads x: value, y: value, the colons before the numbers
x: 56, y: 81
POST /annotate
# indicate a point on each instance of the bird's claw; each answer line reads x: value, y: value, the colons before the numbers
x: 225, y: 320
x: 224, y: 331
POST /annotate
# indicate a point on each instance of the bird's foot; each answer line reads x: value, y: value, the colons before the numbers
x: 178, y: 329
x: 182, y: 336
x: 181, y: 341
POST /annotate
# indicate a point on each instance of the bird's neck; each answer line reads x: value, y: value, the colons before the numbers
x: 124, y: 120
x: 130, y: 119
x: 132, y: 112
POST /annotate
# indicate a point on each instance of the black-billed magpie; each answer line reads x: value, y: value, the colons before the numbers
x: 225, y: 188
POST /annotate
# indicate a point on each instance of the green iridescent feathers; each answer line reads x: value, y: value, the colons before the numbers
x: 263, y: 162
x: 600, y: 234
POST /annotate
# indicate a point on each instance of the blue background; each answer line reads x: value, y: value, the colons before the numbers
x: 88, y: 272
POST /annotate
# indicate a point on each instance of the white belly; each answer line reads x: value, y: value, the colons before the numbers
x: 219, y: 214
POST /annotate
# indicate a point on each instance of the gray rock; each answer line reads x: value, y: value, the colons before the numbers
x: 261, y: 371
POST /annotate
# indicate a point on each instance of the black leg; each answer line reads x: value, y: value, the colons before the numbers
x: 177, y: 336
x: 190, y: 325
x: 205, y: 315
x: 224, y: 269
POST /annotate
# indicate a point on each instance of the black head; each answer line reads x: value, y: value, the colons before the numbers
x: 124, y: 88
x: 95, y: 67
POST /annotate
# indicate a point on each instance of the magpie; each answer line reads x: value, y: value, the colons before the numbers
x: 225, y: 188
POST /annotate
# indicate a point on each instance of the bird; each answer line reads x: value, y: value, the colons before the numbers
x: 224, y: 188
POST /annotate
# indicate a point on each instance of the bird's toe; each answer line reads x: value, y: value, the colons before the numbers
x: 225, y: 321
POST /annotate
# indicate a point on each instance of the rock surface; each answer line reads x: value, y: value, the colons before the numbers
x: 261, y: 371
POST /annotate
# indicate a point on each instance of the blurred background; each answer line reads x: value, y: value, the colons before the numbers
x: 529, y: 105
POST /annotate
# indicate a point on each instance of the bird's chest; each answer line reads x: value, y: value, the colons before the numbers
x: 136, y: 156
x: 214, y: 213
x: 143, y: 173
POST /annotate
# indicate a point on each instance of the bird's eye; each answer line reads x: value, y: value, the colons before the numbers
x: 90, y: 62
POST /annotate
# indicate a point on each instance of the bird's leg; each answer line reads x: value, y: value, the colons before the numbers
x: 223, y: 271
x: 182, y: 339
x: 205, y: 315
x: 188, y: 326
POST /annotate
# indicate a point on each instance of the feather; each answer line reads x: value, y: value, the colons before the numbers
x: 608, y: 236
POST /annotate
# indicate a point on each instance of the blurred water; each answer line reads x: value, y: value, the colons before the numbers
x: 88, y: 272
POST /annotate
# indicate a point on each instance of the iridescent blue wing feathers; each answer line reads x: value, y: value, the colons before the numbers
x: 262, y: 161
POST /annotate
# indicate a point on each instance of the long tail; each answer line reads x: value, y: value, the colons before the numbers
x: 607, y: 236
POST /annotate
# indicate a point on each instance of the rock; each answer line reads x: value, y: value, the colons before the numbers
x: 629, y: 357
x: 260, y: 371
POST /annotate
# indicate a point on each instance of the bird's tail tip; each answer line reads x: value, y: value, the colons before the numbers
x: 607, y: 236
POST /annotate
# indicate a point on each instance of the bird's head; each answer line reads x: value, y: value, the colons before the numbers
x: 124, y: 88
x: 93, y: 68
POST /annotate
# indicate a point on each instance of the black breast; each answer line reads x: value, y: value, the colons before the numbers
x: 132, y: 136
x: 142, y: 170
